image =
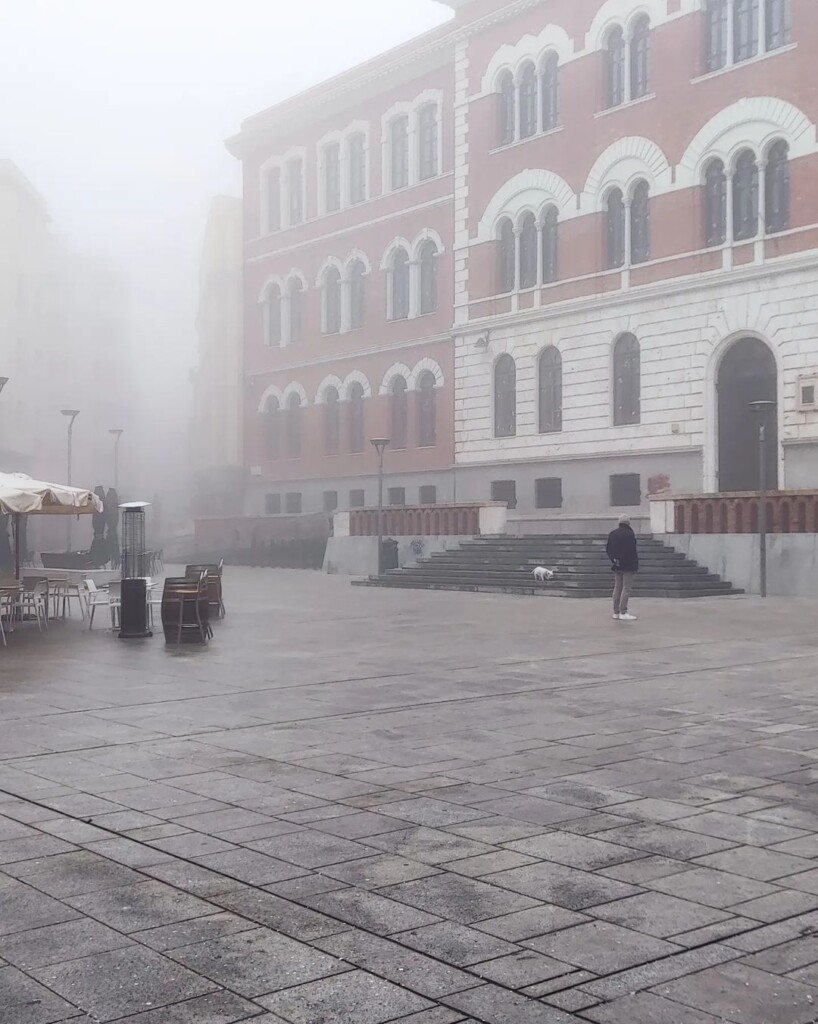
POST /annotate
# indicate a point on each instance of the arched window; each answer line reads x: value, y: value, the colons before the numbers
x: 400, y: 273
x: 356, y: 155
x: 427, y: 141
x: 295, y: 190
x: 332, y: 301
x: 626, y: 383
x: 615, y: 229
x: 549, y: 90
x: 332, y: 177
x: 272, y: 428
x: 777, y: 23
x: 550, y: 388
x: 640, y: 223
x: 745, y: 196
x: 332, y: 421
x: 294, y: 426
x: 745, y: 29
x: 640, y: 57
x: 506, y: 109
x: 428, y: 277
x: 505, y: 397
x: 615, y: 67
x: 272, y: 183
x: 550, y: 245
x: 272, y: 316
x: 427, y: 410
x: 777, y: 200
x: 528, y: 251
x: 357, y: 295
x: 399, y: 153
x: 399, y: 412
x: 528, y: 101
x: 507, y: 256
x: 715, y: 204
x: 295, y: 302
x: 716, y: 23
x: 356, y: 417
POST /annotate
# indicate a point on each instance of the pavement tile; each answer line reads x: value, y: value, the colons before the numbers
x: 777, y: 906
x: 806, y: 881
x: 583, y: 852
x: 378, y: 871
x: 460, y: 899
x: 571, y: 1000
x: 647, y: 975
x: 22, y: 908
x: 428, y: 845
x: 531, y: 808
x: 715, y: 932
x: 496, y: 830
x: 356, y: 996
x: 752, y: 862
x: 192, y: 878
x: 284, y: 916
x: 438, y: 1015
x: 567, y: 887
x: 311, y: 849
x: 645, y: 1008
x: 713, y: 888
x: 666, y: 841
x: 370, y: 911
x: 787, y: 957
x: 517, y: 970
x: 23, y: 1001
x: 217, y: 1008
x: 132, y: 908
x: 32, y: 847
x: 488, y: 863
x: 645, y: 869
x: 55, y: 943
x: 525, y: 924
x: 131, y: 854
x: 250, y: 866
x: 197, y: 929
x: 494, y: 1005
x: 809, y: 975
x: 455, y: 943
x: 657, y: 914
x: 296, y: 889
x: 602, y: 947
x: 73, y: 874
x: 359, y: 825
x: 738, y: 829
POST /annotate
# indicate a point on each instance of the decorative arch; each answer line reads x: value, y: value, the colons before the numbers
x: 622, y: 12
x: 396, y: 370
x: 355, y: 376
x: 753, y: 122
x: 396, y: 243
x: 294, y: 388
x: 529, y: 190
x: 422, y: 367
x: 270, y: 392
x: 299, y: 275
x: 271, y: 282
x: 329, y: 262
x: 328, y: 382
x: 356, y: 255
x: 621, y: 164
x: 530, y: 47
x: 426, y: 235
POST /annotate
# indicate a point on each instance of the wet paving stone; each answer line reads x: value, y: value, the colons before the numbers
x: 357, y: 996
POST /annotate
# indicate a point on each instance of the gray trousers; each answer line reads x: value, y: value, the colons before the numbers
x: 623, y: 585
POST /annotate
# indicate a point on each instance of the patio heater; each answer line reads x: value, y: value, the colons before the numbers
x: 133, y: 616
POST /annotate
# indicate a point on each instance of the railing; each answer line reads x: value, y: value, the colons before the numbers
x: 461, y: 520
x: 787, y: 512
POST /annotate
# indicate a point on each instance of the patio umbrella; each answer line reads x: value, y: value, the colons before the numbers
x: 20, y: 495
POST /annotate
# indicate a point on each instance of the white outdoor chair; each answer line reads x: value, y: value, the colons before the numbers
x: 95, y: 598
x: 115, y: 601
x: 33, y: 599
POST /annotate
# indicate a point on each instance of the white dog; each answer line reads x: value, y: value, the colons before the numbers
x: 541, y: 574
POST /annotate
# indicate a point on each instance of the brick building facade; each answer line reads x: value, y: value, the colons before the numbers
x: 554, y: 249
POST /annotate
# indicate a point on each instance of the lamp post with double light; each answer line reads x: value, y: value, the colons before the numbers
x: 116, y: 433
x: 762, y: 408
x: 380, y: 444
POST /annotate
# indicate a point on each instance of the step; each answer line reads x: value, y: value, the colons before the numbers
x: 411, y: 584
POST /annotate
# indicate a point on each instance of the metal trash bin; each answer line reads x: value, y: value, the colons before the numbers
x: 389, y: 554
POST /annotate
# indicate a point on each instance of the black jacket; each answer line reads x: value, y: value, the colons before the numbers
x: 622, y: 551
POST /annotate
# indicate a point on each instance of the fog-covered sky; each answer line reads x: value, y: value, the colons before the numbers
x: 117, y: 111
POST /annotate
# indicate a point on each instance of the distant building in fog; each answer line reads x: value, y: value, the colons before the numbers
x: 553, y: 249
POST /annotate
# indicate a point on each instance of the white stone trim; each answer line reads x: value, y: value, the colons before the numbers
x: 328, y: 382
x: 294, y: 388
x: 426, y: 235
x: 300, y: 275
x: 395, y: 371
x: 621, y: 165
x: 270, y: 392
x: 356, y: 376
x: 410, y: 109
x: 552, y: 39
x: 330, y: 261
x: 533, y: 190
x: 422, y: 367
x: 397, y: 243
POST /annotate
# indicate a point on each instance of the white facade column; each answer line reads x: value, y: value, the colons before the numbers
x: 729, y: 222
x: 762, y: 27
x: 731, y: 34
x: 762, y: 211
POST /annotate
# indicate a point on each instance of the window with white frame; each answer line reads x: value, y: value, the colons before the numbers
x: 428, y: 277
x: 399, y: 151
x: 272, y: 315
x: 428, y: 132
x: 749, y: 198
x: 331, y: 177
x: 357, y: 295
x: 294, y: 310
x: 640, y: 222
x: 399, y: 285
x: 549, y: 92
x: 506, y: 256
x: 356, y: 162
x: 738, y: 30
x: 528, y: 103
x: 527, y: 256
x: 272, y: 199
x: 295, y: 191
x: 332, y: 301
x: 715, y: 203
x: 615, y: 229
x: 412, y: 141
x: 627, y: 63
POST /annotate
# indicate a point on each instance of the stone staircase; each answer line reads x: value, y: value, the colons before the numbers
x: 504, y: 565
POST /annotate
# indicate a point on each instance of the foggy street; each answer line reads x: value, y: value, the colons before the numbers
x: 360, y: 806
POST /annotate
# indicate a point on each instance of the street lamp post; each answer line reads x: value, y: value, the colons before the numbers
x: 3, y: 382
x: 117, y: 433
x: 380, y: 444
x: 72, y: 415
x: 761, y: 408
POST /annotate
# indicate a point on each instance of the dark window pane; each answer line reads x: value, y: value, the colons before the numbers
x: 506, y: 109
x: 716, y: 16
x: 715, y: 186
x: 505, y: 397
x: 296, y: 310
x: 548, y: 492
x: 330, y: 501
x: 295, y: 187
x: 778, y: 28
x: 396, y: 496
x: 272, y: 504
x: 428, y: 278
x: 627, y: 381
x: 428, y: 142
x: 400, y: 413
x: 355, y: 408
x: 332, y: 422
x: 427, y: 410
x: 428, y: 494
x: 400, y: 152
x: 357, y: 499
x: 400, y: 285
x: 507, y: 256
x: 332, y: 300
x: 504, y: 490
x: 273, y: 315
x: 272, y: 429
x: 292, y: 502
x: 294, y: 427
x: 550, y: 246
x: 640, y: 223
x: 332, y: 177
x: 550, y: 391
x: 615, y: 230
x: 273, y: 188
x: 615, y: 68
x: 357, y: 168
x: 550, y: 92
x: 778, y: 188
x: 640, y: 58
x: 357, y: 295
x: 626, y: 489
x: 528, y: 102
x: 745, y: 196
x: 745, y: 29
x: 528, y: 252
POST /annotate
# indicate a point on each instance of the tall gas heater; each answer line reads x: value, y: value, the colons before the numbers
x: 133, y: 622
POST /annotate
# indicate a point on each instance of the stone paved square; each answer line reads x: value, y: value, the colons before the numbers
x: 517, y: 818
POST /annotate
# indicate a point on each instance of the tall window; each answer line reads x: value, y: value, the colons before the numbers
x: 715, y: 204
x: 507, y: 256
x: 777, y: 23
x: 295, y: 303
x: 399, y: 140
x: 332, y: 177
x: 640, y: 223
x: 615, y: 229
x: 295, y: 190
x: 332, y: 422
x: 399, y: 412
x: 615, y: 67
x: 528, y: 101
x: 745, y: 196
x: 716, y: 18
x: 528, y: 251
x: 356, y: 417
x: 640, y: 57
x: 626, y: 385
x: 356, y: 153
x: 272, y: 315
x: 777, y: 199
x: 294, y: 426
x: 505, y: 397
x: 427, y: 410
x: 400, y: 285
x: 428, y: 142
x: 272, y: 183
x: 332, y: 301
x: 550, y: 245
x: 506, y: 109
x: 549, y: 89
x: 550, y: 388
x: 745, y: 29
x: 428, y: 277
x: 272, y: 428
x: 357, y: 295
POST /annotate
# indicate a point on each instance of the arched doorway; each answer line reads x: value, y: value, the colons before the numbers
x: 747, y: 374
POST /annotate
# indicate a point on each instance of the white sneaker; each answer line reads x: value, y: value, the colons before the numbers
x: 616, y: 615
x: 625, y: 617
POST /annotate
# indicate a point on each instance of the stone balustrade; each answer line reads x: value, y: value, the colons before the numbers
x: 460, y: 520
x: 787, y: 512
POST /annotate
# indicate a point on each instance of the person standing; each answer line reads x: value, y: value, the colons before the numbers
x: 624, y: 556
